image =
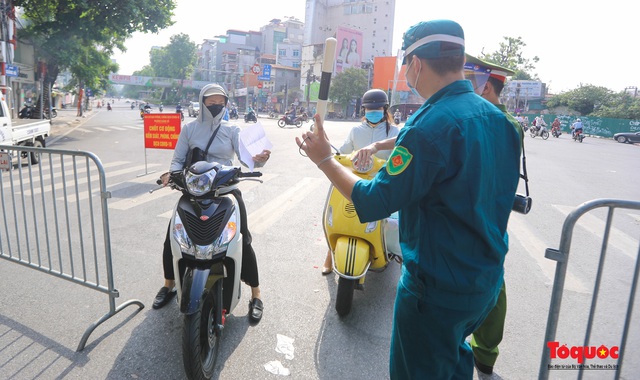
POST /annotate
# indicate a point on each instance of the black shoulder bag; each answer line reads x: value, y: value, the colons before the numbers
x: 196, y: 154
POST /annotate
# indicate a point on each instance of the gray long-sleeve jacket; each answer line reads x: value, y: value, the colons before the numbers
x: 197, y: 134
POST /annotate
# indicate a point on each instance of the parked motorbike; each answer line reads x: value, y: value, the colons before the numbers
x: 357, y: 247
x: 286, y: 120
x: 250, y: 116
x: 578, y: 136
x: 555, y: 132
x: 272, y: 114
x: 539, y: 131
x: 54, y: 113
x: 206, y: 246
x: 27, y: 112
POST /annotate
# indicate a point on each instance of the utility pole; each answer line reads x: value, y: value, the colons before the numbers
x: 310, y: 78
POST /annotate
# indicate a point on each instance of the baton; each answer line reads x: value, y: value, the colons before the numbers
x: 325, y: 79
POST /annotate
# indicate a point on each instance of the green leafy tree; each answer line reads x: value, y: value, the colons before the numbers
x: 348, y: 84
x: 81, y: 35
x: 620, y: 106
x: 176, y: 60
x: 510, y: 55
x: 585, y: 99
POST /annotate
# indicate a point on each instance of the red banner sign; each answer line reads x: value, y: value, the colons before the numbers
x: 161, y: 130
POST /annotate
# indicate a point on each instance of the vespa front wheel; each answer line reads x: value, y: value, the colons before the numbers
x: 344, y: 296
x: 201, y: 337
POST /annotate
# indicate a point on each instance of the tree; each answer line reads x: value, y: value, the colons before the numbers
x: 350, y: 83
x: 585, y: 99
x: 510, y: 55
x: 81, y: 35
x: 176, y: 60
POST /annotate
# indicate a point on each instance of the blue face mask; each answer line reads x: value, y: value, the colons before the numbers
x: 374, y: 116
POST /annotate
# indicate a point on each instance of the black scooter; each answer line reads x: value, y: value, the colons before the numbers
x: 250, y: 117
x: 27, y: 111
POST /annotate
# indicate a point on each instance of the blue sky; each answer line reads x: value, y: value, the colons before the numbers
x: 576, y: 43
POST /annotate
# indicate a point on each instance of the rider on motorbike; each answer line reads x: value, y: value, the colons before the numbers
x: 197, y: 134
x: 555, y: 126
x: 576, y: 126
x: 376, y: 125
x: 291, y: 114
x: 540, y: 124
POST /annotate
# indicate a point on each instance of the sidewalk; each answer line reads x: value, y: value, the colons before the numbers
x: 67, y: 118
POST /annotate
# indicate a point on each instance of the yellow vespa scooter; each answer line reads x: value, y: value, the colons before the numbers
x: 357, y: 247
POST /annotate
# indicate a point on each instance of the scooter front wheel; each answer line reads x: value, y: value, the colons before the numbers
x: 545, y: 135
x: 344, y: 296
x: 201, y: 339
x: 281, y: 123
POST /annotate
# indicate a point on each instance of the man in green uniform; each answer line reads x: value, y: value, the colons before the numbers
x: 452, y: 175
x: 488, y: 81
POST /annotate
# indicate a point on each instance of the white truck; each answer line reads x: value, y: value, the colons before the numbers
x: 22, y: 132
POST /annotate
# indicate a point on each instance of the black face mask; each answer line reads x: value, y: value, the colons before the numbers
x: 215, y: 109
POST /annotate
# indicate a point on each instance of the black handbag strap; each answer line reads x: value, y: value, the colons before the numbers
x: 213, y: 136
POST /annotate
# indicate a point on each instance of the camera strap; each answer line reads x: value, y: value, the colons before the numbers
x: 524, y: 171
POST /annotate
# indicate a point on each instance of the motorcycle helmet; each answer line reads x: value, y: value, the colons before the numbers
x: 215, y: 89
x: 375, y: 98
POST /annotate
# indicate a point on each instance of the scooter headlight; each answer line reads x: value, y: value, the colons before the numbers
x: 180, y: 234
x: 200, y: 252
x: 230, y: 229
x: 199, y: 184
x: 330, y: 216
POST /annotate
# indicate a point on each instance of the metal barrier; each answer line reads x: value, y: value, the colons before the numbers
x: 52, y: 222
x: 561, y: 255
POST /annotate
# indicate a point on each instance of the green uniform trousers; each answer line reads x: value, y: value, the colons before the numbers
x: 486, y: 338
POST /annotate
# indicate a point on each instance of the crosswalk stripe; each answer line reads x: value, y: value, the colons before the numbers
x: 267, y: 215
x: 119, y: 128
x: 594, y: 225
x: 519, y: 230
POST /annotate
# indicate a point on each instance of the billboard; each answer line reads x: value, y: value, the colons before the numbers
x: 525, y: 89
x: 348, y: 48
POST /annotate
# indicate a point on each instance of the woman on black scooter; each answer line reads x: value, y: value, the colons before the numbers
x: 377, y: 124
x: 225, y: 142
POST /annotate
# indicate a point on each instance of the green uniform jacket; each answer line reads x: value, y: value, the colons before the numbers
x: 453, y: 175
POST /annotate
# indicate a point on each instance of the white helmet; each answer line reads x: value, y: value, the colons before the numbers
x: 578, y: 120
x: 215, y: 89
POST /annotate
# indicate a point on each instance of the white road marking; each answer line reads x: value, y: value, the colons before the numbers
x: 265, y: 216
x: 594, y: 225
x: 518, y: 229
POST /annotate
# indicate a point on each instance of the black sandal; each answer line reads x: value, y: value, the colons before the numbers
x: 255, y: 310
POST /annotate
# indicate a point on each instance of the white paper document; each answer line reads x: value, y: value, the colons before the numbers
x: 253, y: 140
